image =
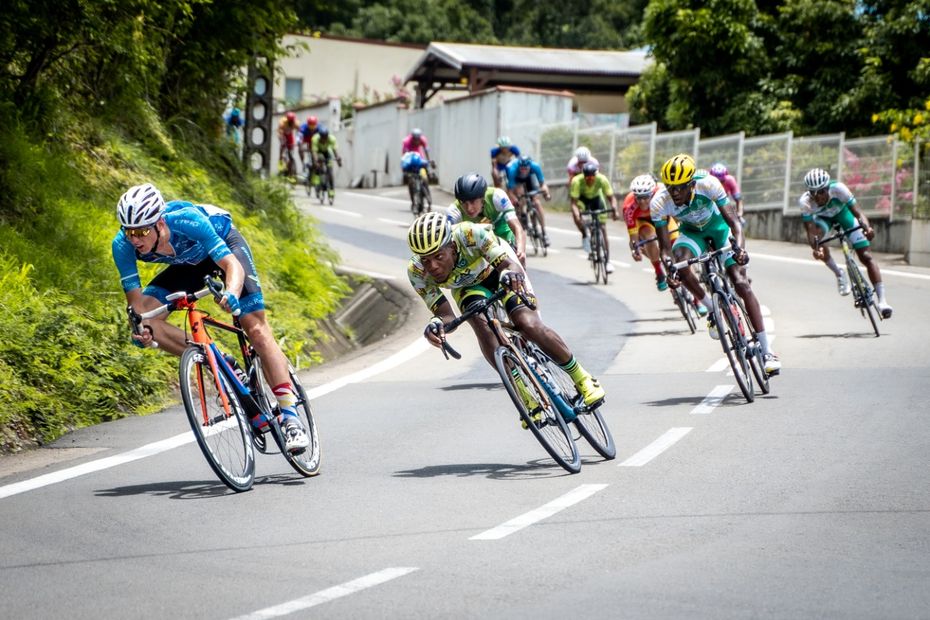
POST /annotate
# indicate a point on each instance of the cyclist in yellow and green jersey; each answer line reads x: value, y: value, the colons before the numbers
x: 323, y: 149
x: 476, y: 202
x: 592, y: 189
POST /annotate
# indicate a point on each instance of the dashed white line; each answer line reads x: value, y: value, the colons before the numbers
x: 713, y: 399
x: 719, y: 365
x: 815, y: 263
x: 525, y: 520
x: 395, y: 222
x: 342, y: 212
x: 372, y: 197
x: 329, y: 594
x: 657, y: 447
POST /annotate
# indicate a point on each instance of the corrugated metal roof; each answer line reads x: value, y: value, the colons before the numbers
x: 538, y: 59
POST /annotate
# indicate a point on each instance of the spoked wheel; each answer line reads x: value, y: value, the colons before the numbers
x: 591, y: 423
x: 683, y: 301
x: 549, y: 429
x: 863, y: 296
x: 540, y: 232
x: 755, y: 353
x: 222, y: 431
x: 533, y: 231
x: 308, y: 462
x: 734, y: 343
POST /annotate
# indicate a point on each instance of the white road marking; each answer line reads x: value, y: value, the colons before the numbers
x: 329, y: 594
x: 342, y: 212
x: 657, y: 447
x: 713, y: 399
x: 373, y: 197
x: 719, y: 365
x: 395, y: 222
x: 365, y: 272
x: 817, y: 263
x: 525, y: 520
x: 407, y: 353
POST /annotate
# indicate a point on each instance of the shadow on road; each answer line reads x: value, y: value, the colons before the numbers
x: 181, y: 489
x: 473, y: 386
x: 543, y: 468
x: 846, y: 335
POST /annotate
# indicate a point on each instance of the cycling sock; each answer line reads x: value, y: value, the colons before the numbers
x: 833, y: 267
x: 764, y: 341
x: 658, y: 267
x: 287, y: 399
x: 880, y: 291
x: 574, y: 370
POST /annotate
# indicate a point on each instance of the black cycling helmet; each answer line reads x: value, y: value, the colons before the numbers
x: 470, y: 186
x: 323, y: 131
x: 525, y: 161
x: 589, y: 169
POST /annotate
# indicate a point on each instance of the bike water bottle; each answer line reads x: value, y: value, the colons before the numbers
x: 237, y: 370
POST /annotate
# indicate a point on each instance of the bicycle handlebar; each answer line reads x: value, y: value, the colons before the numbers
x: 473, y: 310
x: 643, y: 242
x: 706, y: 256
x: 215, y: 287
x: 839, y: 233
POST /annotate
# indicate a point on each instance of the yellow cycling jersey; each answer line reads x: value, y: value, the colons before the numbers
x: 601, y: 185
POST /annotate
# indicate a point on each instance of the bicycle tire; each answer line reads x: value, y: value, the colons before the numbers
x: 686, y: 308
x: 533, y: 230
x: 755, y: 354
x: 601, y: 255
x: 308, y: 462
x: 733, y: 348
x: 541, y: 232
x: 226, y: 443
x: 863, y: 296
x: 551, y: 432
x: 590, y: 424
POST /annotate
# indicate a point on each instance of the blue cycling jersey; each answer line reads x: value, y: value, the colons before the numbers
x: 411, y: 161
x: 514, y: 177
x: 195, y: 233
x: 503, y: 165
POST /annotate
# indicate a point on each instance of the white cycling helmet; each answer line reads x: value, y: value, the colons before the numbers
x: 141, y: 206
x: 643, y: 185
x: 817, y: 178
x: 583, y: 154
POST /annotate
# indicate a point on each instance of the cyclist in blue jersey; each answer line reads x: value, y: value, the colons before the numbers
x: 413, y: 164
x: 524, y: 175
x: 501, y: 155
x: 195, y: 241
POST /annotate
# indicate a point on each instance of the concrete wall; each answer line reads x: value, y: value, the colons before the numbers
x: 891, y: 237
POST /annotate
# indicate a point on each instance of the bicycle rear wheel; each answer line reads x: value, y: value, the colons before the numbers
x: 223, y: 435
x: 734, y: 344
x: 590, y: 423
x: 685, y: 307
x: 550, y: 430
x: 308, y: 462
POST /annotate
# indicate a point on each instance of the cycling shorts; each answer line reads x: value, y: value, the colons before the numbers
x: 530, y: 183
x: 189, y: 278
x: 701, y: 241
x: 846, y: 220
x: 482, y: 290
x: 591, y: 204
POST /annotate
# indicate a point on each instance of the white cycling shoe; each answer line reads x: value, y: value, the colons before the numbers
x: 842, y: 283
x: 609, y: 268
x: 885, y: 309
x: 295, y: 437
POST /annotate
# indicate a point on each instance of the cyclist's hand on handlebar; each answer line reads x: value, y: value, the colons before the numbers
x: 740, y: 256
x: 869, y: 232
x: 818, y: 253
x: 513, y: 280
x: 230, y: 303
x: 434, y: 332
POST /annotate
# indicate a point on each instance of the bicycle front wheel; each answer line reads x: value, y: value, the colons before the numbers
x: 533, y: 230
x: 545, y: 422
x: 755, y: 353
x: 863, y: 296
x: 734, y: 344
x: 308, y: 462
x: 685, y: 307
x: 590, y: 423
x: 221, y: 431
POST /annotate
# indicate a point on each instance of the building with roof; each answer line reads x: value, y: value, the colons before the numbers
x: 599, y: 79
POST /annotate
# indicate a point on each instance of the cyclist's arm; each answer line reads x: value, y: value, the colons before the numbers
x: 861, y: 218
x: 733, y: 222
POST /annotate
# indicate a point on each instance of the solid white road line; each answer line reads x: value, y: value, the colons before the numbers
x: 342, y: 212
x: 816, y: 263
x: 518, y: 523
x: 329, y: 594
x: 657, y: 447
x: 407, y: 353
x: 713, y: 399
x: 395, y: 222
x: 365, y: 272
x: 372, y: 197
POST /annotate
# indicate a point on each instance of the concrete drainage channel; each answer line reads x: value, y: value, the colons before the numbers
x: 375, y: 310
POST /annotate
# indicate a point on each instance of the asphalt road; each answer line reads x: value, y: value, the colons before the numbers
x: 433, y: 503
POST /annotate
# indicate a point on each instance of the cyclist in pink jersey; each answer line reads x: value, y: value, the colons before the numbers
x: 731, y: 187
x: 416, y: 142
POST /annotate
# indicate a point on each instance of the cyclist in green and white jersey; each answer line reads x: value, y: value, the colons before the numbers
x: 470, y: 261
x: 701, y: 209
x: 476, y: 202
x: 827, y: 203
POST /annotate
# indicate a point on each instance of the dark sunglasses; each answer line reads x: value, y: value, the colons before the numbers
x: 814, y: 192
x: 138, y: 232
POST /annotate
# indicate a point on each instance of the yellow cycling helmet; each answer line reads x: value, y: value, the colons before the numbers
x: 678, y: 170
x: 429, y: 233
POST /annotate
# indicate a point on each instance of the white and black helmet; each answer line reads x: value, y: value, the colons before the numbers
x: 817, y: 178
x: 141, y: 206
x: 643, y: 185
x: 583, y: 154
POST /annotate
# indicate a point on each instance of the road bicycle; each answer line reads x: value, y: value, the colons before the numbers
x: 737, y: 337
x: 681, y: 296
x: 325, y: 186
x: 532, y: 223
x: 598, y: 254
x: 422, y: 198
x: 862, y: 292
x: 221, y: 395
x: 544, y: 395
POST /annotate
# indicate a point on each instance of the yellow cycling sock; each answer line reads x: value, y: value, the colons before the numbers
x: 574, y: 370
